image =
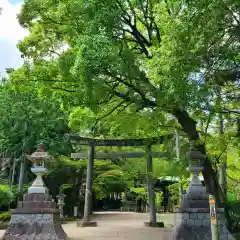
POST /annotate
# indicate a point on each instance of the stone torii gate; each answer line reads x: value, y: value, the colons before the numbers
x: 91, y: 155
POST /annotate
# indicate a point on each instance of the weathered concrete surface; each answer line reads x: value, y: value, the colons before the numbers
x: 119, y: 226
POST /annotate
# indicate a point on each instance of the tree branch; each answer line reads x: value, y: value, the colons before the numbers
x: 110, y: 112
x: 63, y: 89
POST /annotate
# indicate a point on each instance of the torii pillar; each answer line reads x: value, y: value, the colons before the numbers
x: 88, y: 193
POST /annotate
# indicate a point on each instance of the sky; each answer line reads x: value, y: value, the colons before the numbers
x: 10, y: 33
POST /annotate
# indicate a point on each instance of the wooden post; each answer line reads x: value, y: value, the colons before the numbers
x: 88, y: 193
x: 151, y: 193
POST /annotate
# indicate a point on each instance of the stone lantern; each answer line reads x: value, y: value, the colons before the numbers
x: 36, y: 217
x: 38, y: 158
x: 193, y: 217
x: 60, y: 197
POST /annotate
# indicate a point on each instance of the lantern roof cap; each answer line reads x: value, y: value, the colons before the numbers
x: 39, y: 154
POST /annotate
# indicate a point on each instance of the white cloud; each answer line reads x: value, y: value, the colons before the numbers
x: 10, y: 33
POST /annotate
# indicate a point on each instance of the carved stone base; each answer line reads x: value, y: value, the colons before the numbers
x: 194, y: 224
x: 36, y: 218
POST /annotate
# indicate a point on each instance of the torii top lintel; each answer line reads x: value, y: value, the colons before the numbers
x: 117, y: 142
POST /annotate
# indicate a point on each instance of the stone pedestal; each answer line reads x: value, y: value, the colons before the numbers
x: 36, y: 218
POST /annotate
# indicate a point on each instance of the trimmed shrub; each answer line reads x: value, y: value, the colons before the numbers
x: 6, y: 196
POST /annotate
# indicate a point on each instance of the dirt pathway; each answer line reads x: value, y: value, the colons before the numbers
x: 119, y: 226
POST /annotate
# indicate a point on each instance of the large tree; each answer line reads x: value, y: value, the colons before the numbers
x: 26, y: 120
x: 136, y: 54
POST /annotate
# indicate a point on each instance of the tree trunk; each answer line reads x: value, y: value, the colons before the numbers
x: 21, y: 178
x: 223, y: 159
x: 210, y: 176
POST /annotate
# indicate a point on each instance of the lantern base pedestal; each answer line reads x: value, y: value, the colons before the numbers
x: 36, y: 217
x: 194, y: 224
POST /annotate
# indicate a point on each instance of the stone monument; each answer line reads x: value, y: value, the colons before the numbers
x: 192, y: 220
x: 36, y: 217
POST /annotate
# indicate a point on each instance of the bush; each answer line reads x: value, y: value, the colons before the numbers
x: 6, y: 196
x: 231, y: 196
x: 159, y: 200
x: 5, y: 216
x: 109, y: 182
x: 234, y: 212
x: 174, y: 190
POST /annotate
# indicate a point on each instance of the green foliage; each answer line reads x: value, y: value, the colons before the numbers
x: 15, y: 189
x: 174, y: 189
x: 125, y: 69
x: 234, y: 211
x: 140, y: 192
x: 5, y: 216
x: 156, y: 56
x: 6, y: 196
x: 159, y: 200
x: 112, y: 181
x: 101, y: 49
x: 65, y: 186
x: 28, y: 121
x: 231, y: 196
x: 65, y: 173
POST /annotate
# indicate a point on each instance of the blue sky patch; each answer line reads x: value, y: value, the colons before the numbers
x: 15, y: 1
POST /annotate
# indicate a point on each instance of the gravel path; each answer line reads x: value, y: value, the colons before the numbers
x: 119, y: 226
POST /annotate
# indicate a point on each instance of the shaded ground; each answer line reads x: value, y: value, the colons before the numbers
x: 119, y: 226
